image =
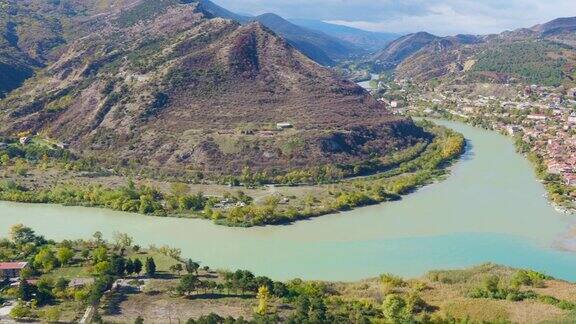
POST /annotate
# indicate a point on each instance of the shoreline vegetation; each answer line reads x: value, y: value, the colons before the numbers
x: 117, y: 281
x: 558, y: 193
x: 375, y: 181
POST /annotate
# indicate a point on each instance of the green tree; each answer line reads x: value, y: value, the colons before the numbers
x: 21, y: 310
x: 191, y: 266
x: 280, y: 289
x: 118, y: 265
x: 4, y: 159
x: 98, y: 237
x: 102, y: 268
x: 188, y: 284
x: 100, y: 254
x: 20, y: 234
x: 129, y: 266
x: 122, y: 240
x: 150, y: 267
x: 45, y: 259
x: 394, y: 309
x: 52, y: 314
x: 137, y: 266
x: 64, y: 255
x: 179, y: 189
x: 21, y: 167
x: 25, y: 291
x: 318, y: 311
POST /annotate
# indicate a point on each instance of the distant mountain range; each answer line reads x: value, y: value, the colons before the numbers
x: 324, y: 43
x: 368, y: 41
x: 542, y: 54
x: 318, y: 46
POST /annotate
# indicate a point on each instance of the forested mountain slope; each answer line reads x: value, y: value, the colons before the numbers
x: 544, y: 54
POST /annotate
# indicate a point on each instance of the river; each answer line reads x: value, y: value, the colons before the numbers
x: 490, y: 209
x: 366, y: 84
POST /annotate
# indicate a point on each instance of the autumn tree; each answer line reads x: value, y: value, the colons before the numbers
x: 263, y: 297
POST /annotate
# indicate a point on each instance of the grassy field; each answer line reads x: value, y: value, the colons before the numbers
x: 446, y: 294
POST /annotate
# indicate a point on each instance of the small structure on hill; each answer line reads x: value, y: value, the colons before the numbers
x: 62, y: 145
x: 25, y: 140
x: 281, y: 126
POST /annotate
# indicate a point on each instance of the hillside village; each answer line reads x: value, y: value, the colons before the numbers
x: 541, y: 118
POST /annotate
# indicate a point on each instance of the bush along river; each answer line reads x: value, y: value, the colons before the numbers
x: 490, y: 209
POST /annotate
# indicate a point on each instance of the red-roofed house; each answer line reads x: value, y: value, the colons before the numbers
x: 11, y: 269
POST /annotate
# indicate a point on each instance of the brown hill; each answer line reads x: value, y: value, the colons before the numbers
x: 159, y: 83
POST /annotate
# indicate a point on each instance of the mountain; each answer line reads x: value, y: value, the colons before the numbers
x: 440, y: 57
x: 398, y: 50
x: 557, y: 25
x: 25, y: 40
x: 368, y: 41
x: 165, y: 84
x: 32, y: 31
x: 215, y: 10
x: 543, y: 54
x: 318, y: 46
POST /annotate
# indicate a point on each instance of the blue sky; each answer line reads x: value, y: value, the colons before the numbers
x: 442, y: 17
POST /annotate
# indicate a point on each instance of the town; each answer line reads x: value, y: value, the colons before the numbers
x: 542, y: 119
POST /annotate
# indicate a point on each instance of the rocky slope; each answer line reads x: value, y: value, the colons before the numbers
x: 163, y: 84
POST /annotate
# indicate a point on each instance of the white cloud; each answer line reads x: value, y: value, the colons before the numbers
x: 443, y: 17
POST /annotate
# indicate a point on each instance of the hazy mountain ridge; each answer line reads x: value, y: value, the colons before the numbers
x: 160, y: 84
x: 321, y: 47
x: 367, y: 40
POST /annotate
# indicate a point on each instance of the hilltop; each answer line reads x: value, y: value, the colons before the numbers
x: 318, y: 46
x: 321, y: 47
x: 166, y: 85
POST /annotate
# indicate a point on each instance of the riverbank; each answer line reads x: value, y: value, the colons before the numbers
x: 560, y: 195
x: 127, y: 282
x: 490, y: 208
x: 387, y: 179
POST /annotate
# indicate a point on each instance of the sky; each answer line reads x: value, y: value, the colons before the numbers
x: 441, y: 17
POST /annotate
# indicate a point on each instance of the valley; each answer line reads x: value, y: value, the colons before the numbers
x: 187, y: 162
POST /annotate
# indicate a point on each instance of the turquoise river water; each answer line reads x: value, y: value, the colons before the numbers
x: 490, y: 209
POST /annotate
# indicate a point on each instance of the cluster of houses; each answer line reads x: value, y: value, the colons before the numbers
x: 10, y: 273
x: 545, y: 116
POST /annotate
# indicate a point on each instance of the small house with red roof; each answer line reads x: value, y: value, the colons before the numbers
x: 12, y: 269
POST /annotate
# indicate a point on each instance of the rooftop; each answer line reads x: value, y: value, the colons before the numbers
x: 13, y: 265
